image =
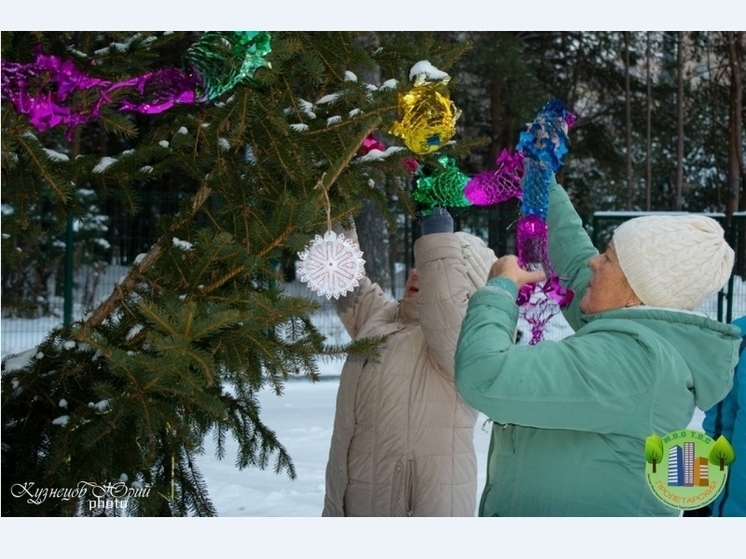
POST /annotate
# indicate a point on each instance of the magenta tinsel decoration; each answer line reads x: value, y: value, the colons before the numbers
x: 551, y: 289
x: 163, y: 89
x: 498, y: 185
x: 369, y: 143
x: 570, y: 119
x: 42, y: 90
x: 531, y: 238
x: 542, y: 145
x: 537, y: 311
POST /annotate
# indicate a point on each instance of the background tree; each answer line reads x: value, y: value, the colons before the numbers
x: 648, y: 118
x: 371, y: 223
x: 499, y: 94
x: 628, y: 119
x: 679, y: 120
x: 735, y: 120
x: 736, y: 166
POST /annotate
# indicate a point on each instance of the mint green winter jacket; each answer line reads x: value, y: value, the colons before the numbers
x: 571, y: 416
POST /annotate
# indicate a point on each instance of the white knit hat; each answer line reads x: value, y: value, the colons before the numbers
x: 478, y: 257
x: 675, y: 261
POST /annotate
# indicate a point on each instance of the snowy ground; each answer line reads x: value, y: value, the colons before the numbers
x: 303, y: 419
x: 262, y: 513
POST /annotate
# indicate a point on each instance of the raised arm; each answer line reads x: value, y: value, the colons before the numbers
x: 577, y: 383
x: 570, y: 248
x: 356, y: 308
x: 446, y: 280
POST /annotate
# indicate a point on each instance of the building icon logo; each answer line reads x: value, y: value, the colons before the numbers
x: 687, y: 469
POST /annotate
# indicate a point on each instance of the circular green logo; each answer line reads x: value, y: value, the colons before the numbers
x: 687, y: 469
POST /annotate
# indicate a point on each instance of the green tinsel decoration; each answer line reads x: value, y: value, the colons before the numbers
x: 222, y: 60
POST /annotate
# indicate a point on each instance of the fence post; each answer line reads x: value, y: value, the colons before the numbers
x: 733, y: 240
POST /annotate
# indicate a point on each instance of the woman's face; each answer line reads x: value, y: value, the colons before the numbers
x: 608, y: 288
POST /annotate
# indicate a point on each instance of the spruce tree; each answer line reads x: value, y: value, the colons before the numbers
x: 125, y: 397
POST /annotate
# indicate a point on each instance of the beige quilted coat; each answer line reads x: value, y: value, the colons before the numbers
x: 403, y: 438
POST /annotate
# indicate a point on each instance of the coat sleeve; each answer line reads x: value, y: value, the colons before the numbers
x: 578, y: 383
x: 728, y: 418
x: 356, y: 308
x: 443, y: 296
x: 569, y: 248
x: 721, y: 418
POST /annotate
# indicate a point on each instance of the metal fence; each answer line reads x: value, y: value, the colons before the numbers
x: 78, y: 287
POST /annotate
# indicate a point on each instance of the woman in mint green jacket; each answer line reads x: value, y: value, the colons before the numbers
x: 571, y: 416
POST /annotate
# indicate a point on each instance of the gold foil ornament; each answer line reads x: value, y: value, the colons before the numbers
x: 427, y: 116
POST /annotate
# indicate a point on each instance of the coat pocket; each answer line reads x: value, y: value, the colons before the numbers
x: 503, y: 438
x: 402, y: 487
x: 409, y: 487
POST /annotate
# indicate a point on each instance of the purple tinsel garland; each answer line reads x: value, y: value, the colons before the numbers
x: 43, y: 90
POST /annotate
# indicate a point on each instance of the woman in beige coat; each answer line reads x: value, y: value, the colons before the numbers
x: 403, y: 437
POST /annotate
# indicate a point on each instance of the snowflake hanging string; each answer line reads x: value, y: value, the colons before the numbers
x: 332, y: 265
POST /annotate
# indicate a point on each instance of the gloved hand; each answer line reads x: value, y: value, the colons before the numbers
x: 439, y: 221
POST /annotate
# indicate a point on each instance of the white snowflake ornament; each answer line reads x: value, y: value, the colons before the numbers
x: 332, y: 265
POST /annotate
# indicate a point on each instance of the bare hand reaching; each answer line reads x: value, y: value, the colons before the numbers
x: 507, y: 267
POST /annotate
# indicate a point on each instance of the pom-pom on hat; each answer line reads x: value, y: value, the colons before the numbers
x: 675, y: 262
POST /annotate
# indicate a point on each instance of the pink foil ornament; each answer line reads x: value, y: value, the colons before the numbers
x: 410, y: 164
